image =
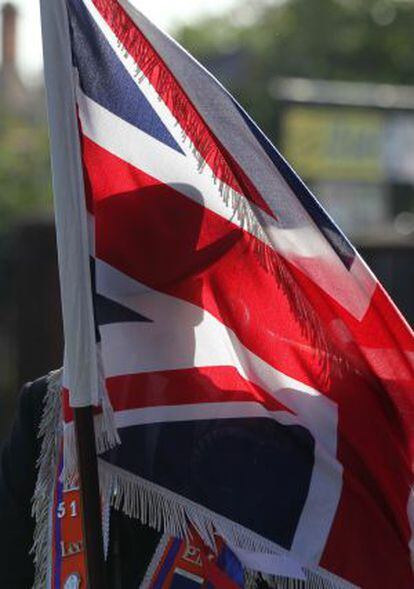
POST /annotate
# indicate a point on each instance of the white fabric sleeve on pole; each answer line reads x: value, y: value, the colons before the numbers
x: 80, y: 364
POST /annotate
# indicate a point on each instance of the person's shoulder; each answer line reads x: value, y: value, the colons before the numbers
x: 36, y: 387
x: 32, y: 399
x: 33, y: 393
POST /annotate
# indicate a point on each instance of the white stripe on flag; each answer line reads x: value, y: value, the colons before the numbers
x: 183, y: 336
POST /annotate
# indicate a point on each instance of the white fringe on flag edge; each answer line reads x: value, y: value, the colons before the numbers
x: 151, y: 504
x: 173, y: 514
x: 50, y: 431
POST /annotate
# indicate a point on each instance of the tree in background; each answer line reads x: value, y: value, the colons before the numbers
x: 358, y: 40
x: 25, y: 187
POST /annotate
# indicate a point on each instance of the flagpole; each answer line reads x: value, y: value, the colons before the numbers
x: 90, y: 498
x: 74, y: 269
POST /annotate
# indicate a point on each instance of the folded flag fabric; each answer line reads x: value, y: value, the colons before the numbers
x: 184, y: 564
x: 252, y: 379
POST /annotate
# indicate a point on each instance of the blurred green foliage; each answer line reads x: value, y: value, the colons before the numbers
x: 24, y: 168
x: 359, y: 40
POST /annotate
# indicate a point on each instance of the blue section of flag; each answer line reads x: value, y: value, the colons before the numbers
x: 181, y: 582
x: 168, y: 563
x: 230, y: 564
x: 108, y: 312
x: 326, y: 225
x: 104, y: 79
x: 254, y: 471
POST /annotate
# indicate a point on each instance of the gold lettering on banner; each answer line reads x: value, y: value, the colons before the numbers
x: 193, y: 555
x: 62, y: 509
x: 71, y: 548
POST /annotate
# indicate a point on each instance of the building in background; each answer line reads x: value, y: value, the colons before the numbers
x: 13, y: 96
x: 353, y: 143
x: 17, y: 99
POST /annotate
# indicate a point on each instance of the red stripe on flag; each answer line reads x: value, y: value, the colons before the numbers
x: 136, y: 220
x: 207, y: 384
x: 67, y: 410
x: 212, y: 384
x: 372, y: 514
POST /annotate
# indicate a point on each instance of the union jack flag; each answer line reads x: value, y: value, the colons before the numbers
x: 258, y: 378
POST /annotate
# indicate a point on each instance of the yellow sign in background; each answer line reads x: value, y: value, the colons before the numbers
x: 335, y: 144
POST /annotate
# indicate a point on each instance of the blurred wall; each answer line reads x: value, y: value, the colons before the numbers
x: 30, y: 318
x: 37, y: 299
